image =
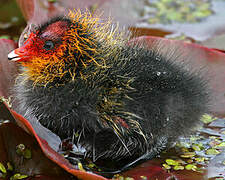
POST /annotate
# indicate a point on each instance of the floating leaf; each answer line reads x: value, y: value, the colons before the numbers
x: 178, y: 167
x: 20, y: 149
x: 212, y: 151
x: 172, y: 162
x: 188, y: 155
x: 200, y: 159
x: 33, y: 166
x: 206, y: 118
x: 2, y: 168
x: 166, y: 166
x: 18, y: 176
x: 27, y: 154
x: 197, y: 147
x: 191, y: 167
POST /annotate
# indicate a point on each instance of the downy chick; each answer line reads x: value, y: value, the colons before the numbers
x: 125, y: 102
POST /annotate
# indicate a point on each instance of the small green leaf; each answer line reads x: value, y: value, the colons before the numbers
x: 189, y: 161
x: 191, y: 167
x: 20, y: 149
x: 206, y: 118
x: 22, y: 176
x: 80, y: 166
x: 2, y: 168
x: 198, y: 147
x: 120, y: 178
x: 166, y: 166
x: 178, y: 167
x: 128, y: 178
x: 212, y: 151
x: 91, y: 165
x: 200, y: 159
x: 27, y: 154
x: 172, y: 162
x: 18, y: 176
x: 188, y: 155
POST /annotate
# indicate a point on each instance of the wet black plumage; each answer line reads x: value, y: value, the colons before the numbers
x: 135, y: 104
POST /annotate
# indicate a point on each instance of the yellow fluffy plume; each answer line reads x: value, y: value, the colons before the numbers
x: 87, y: 41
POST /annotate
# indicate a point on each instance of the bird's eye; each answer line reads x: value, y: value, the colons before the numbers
x: 48, y: 45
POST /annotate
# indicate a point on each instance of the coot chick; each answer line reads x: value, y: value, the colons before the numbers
x: 79, y: 76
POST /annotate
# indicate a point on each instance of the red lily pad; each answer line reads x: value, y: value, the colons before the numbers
x: 27, y: 166
x: 8, y: 70
x: 43, y: 156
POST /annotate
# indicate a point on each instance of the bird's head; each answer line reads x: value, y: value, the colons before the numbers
x: 62, y: 48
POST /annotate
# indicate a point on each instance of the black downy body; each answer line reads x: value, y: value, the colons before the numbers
x: 133, y: 109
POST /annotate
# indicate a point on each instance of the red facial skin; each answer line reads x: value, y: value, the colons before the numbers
x: 33, y: 46
x: 30, y: 48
